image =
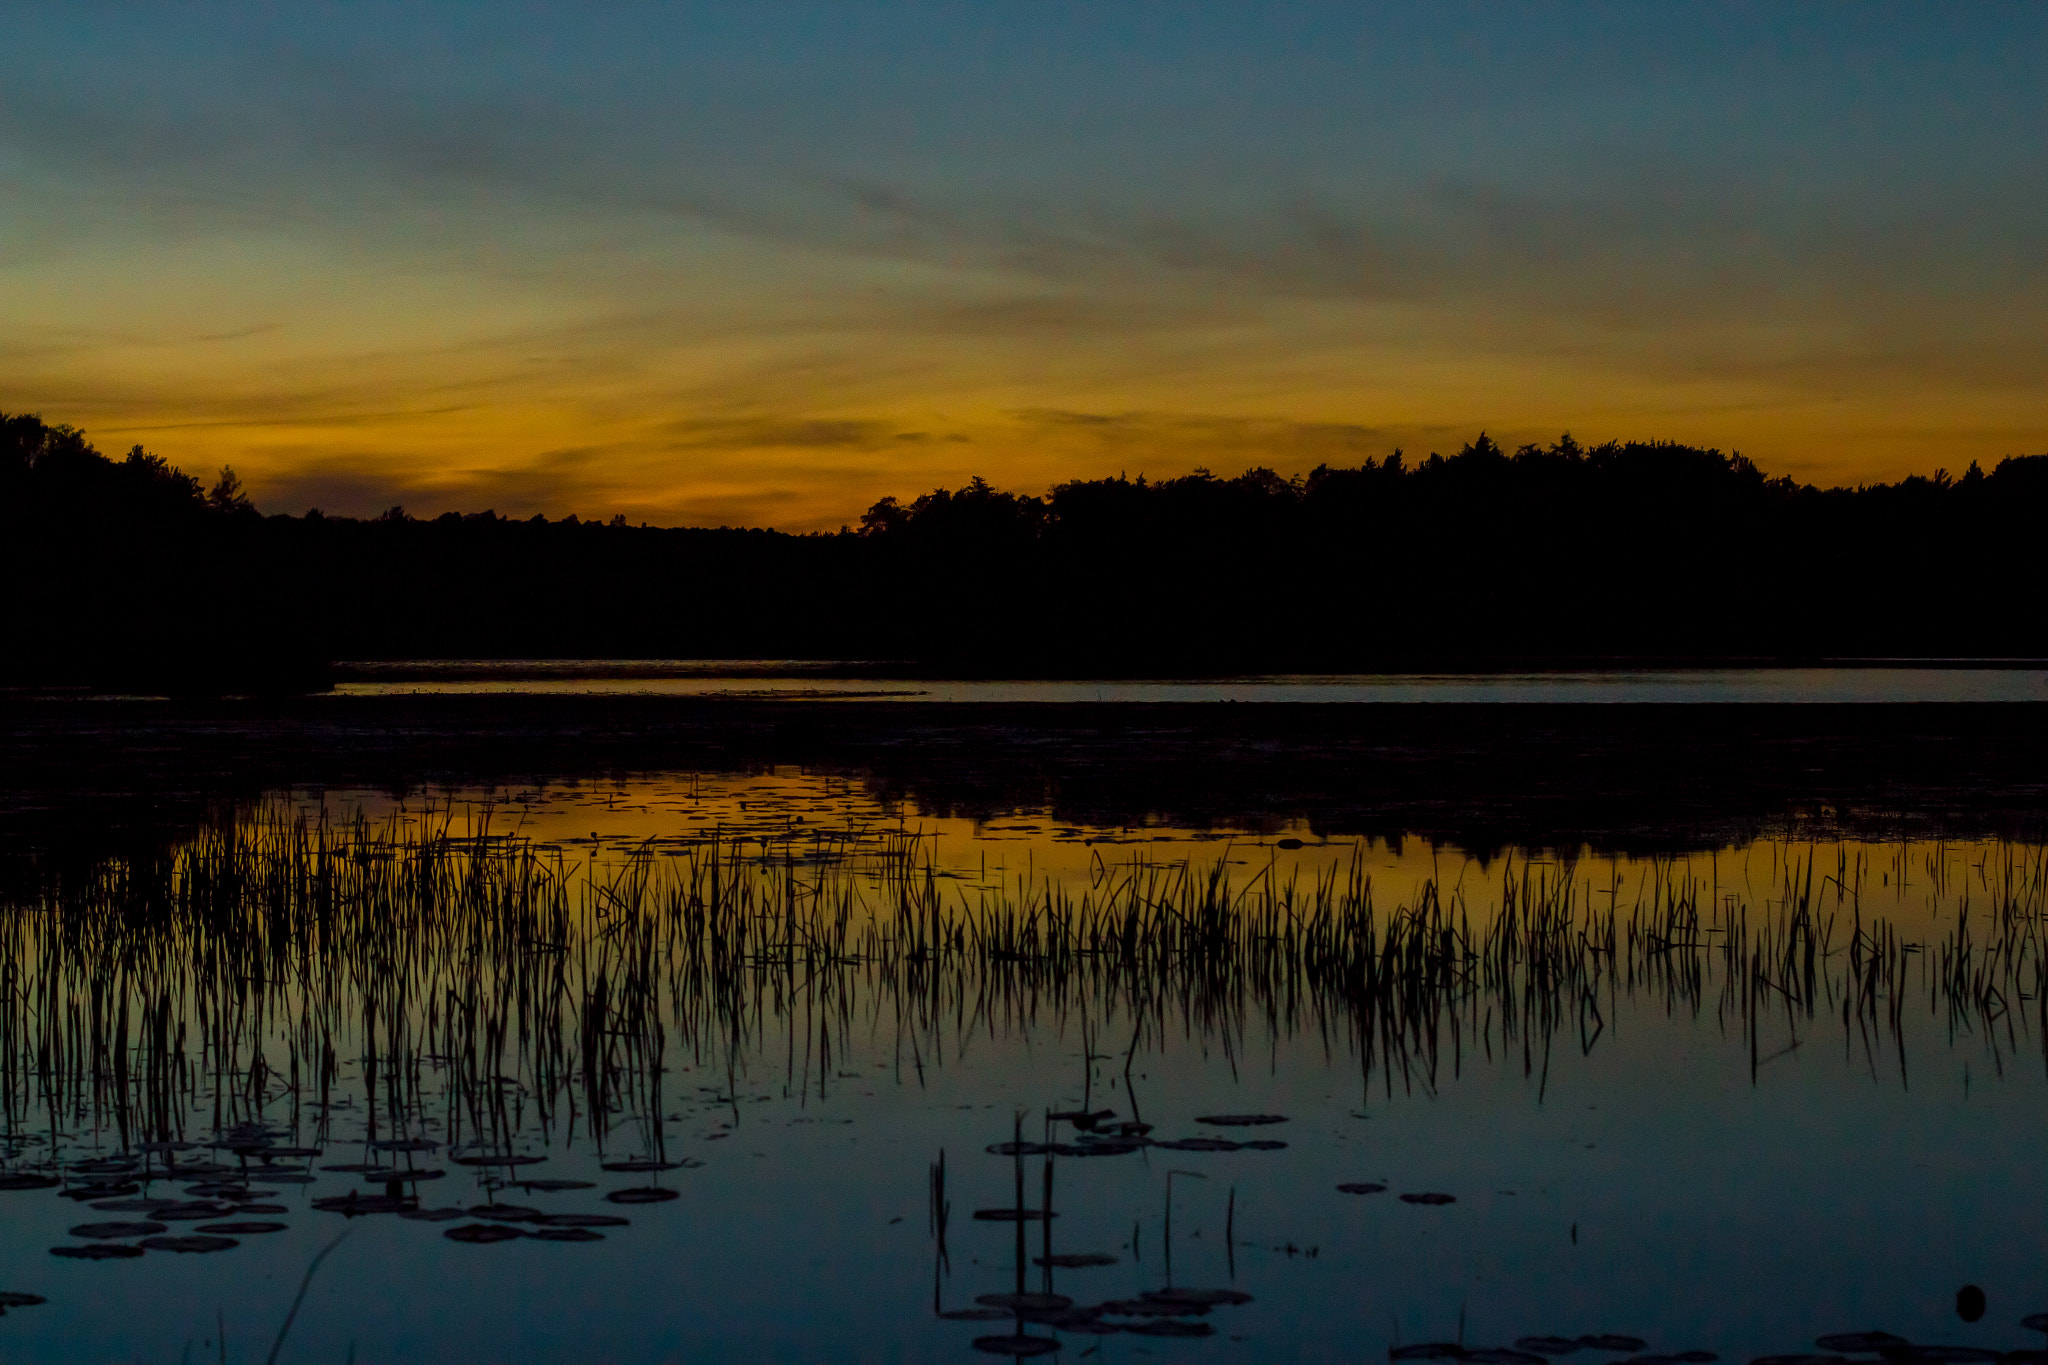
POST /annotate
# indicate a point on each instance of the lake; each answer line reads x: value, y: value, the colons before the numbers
x: 1963, y: 682
x: 444, y: 1029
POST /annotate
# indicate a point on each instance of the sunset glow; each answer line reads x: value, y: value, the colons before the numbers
x: 764, y: 265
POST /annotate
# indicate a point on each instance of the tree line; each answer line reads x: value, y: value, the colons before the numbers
x: 130, y: 571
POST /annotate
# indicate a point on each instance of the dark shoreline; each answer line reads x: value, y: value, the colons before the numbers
x: 1630, y: 777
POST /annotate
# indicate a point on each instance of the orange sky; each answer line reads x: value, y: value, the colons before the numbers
x: 461, y: 268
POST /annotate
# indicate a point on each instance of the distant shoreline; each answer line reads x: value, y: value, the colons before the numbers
x: 1617, y: 777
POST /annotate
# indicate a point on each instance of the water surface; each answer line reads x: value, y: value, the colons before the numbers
x: 788, y: 679
x: 1723, y: 1101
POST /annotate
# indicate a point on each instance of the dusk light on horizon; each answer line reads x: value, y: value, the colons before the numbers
x: 763, y: 265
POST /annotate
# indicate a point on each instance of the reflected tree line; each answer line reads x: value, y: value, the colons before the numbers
x: 131, y: 567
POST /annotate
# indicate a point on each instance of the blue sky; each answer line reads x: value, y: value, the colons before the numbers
x: 766, y: 263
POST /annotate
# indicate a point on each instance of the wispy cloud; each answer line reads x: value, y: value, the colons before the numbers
x: 775, y: 266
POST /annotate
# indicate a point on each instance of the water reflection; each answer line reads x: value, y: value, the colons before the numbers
x: 789, y: 680
x: 824, y: 818
x: 449, y: 1017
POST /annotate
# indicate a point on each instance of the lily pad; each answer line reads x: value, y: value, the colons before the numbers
x: 505, y: 1213
x: 1860, y: 1341
x: 565, y: 1235
x: 1154, y: 1308
x: 1430, y: 1199
x: 98, y: 1251
x: 354, y: 1205
x: 1074, y: 1260
x: 189, y: 1246
x: 1548, y: 1346
x: 1022, y: 1148
x: 649, y: 1195
x: 1199, y: 1144
x: 1103, y: 1147
x: 110, y: 1231
x: 403, y: 1145
x: 193, y: 1211
x: 1427, y: 1350
x: 1263, y: 1145
x: 433, y: 1215
x: 1609, y: 1341
x: 241, y: 1229
x: 12, y: 1299
x: 1084, y: 1118
x: 1206, y: 1298
x: 1082, y: 1322
x: 24, y: 1180
x: 1011, y: 1215
x: 390, y: 1177
x: 2033, y: 1322
x: 101, y: 1190
x: 645, y: 1167
x: 551, y: 1186
x: 974, y: 1315
x: 1240, y: 1120
x: 482, y: 1232
x: 1026, y: 1301
x: 1367, y: 1187
x: 1169, y: 1327
x: 1018, y: 1347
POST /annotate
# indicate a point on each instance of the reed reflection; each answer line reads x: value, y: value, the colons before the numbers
x: 282, y: 971
x: 501, y: 1038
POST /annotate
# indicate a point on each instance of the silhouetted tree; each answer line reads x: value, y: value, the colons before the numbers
x: 126, y: 570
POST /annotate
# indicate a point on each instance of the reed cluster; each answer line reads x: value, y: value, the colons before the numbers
x: 283, y: 968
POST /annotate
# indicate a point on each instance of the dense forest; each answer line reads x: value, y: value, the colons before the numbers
x: 130, y: 572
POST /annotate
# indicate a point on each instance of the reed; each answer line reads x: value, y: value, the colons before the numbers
x: 490, y: 990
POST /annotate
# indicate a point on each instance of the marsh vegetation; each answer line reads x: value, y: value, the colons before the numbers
x: 492, y: 1039
x: 238, y: 975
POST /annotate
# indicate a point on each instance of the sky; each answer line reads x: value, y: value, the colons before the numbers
x: 762, y: 264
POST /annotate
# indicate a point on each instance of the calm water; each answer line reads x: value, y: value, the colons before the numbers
x: 1721, y: 1103
x: 756, y: 678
